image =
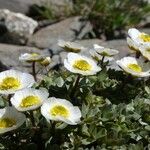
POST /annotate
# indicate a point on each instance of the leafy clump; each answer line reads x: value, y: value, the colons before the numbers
x: 96, y: 108
x: 111, y: 16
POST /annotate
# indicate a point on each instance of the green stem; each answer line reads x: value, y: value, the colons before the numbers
x: 53, y: 127
x: 102, y: 61
x: 9, y: 97
x: 138, y: 54
x: 32, y: 118
x: 72, y: 94
x: 34, y: 71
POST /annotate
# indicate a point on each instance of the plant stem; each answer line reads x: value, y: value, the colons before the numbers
x: 73, y: 91
x: 34, y: 71
x: 138, y: 54
x: 9, y: 97
x: 102, y: 61
x: 53, y: 127
x: 32, y: 118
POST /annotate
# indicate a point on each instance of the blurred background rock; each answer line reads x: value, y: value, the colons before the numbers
x: 38, y: 24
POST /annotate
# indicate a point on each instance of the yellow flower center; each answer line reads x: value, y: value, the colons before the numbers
x: 30, y: 101
x: 7, y: 122
x: 145, y: 37
x: 9, y: 83
x: 82, y: 65
x: 135, y: 67
x: 59, y: 110
x: 34, y: 54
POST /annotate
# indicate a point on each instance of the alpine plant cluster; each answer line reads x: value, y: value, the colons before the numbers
x: 23, y: 96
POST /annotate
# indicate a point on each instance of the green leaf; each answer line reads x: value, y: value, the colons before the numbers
x: 147, y: 128
x: 147, y: 89
x: 2, y: 102
x: 101, y: 133
x: 59, y: 81
x: 85, y: 130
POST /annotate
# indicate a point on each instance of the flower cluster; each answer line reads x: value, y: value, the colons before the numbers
x: 76, y: 96
x: 26, y: 98
x: 139, y: 42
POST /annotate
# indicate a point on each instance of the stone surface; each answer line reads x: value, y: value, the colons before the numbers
x: 23, y: 6
x: 18, y: 27
x: 9, y: 56
x: 48, y: 36
x: 2, y: 67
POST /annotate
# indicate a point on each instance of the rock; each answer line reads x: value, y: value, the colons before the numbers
x: 23, y: 6
x: 19, y: 27
x: 89, y: 42
x: 2, y: 67
x: 10, y: 56
x: 48, y: 36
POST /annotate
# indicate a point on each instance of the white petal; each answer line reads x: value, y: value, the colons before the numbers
x: 133, y: 44
x: 74, y: 112
x: 11, y: 112
x: 72, y: 57
x: 16, y: 100
x: 124, y: 62
x: 145, y: 50
x: 27, y: 80
x: 96, y: 46
x: 134, y: 33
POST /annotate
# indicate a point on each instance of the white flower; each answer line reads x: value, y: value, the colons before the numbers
x: 46, y: 61
x: 12, y: 81
x: 80, y: 64
x: 30, y: 57
x: 10, y: 119
x: 134, y: 67
x: 105, y: 51
x: 98, y: 57
x: 145, y: 51
x: 70, y: 46
x: 138, y: 37
x: 28, y: 99
x: 133, y: 45
x: 61, y: 110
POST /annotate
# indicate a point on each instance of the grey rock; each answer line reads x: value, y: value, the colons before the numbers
x: 19, y: 27
x: 17, y: 5
x: 146, y: 30
x: 23, y: 6
x: 9, y: 56
x: 2, y: 67
x: 48, y: 36
x: 89, y: 42
x: 55, y: 62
